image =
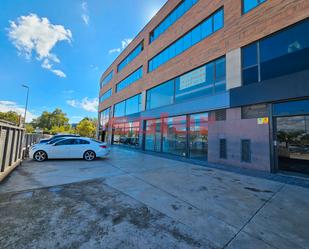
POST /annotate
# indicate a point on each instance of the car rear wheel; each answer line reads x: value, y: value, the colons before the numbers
x: 40, y: 156
x: 89, y: 155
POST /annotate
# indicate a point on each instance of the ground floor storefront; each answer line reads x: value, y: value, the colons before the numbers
x: 270, y: 136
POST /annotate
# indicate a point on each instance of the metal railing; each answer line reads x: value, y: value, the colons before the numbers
x: 13, y: 145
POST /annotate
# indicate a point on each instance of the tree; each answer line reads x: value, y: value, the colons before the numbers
x: 29, y: 128
x: 86, y: 127
x: 47, y: 120
x: 10, y: 116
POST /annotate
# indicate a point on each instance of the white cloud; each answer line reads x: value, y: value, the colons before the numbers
x: 85, y: 16
x: 90, y: 105
x: 6, y: 106
x: 72, y: 103
x: 85, y: 19
x: 124, y: 44
x: 59, y: 73
x: 34, y: 35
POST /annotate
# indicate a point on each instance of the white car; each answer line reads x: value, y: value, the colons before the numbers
x: 78, y: 147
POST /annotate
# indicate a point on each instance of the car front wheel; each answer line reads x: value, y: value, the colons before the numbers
x: 40, y: 156
x: 89, y: 155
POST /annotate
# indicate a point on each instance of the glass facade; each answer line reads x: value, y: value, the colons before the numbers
x: 177, y: 13
x: 206, y: 80
x: 174, y: 139
x: 107, y: 79
x: 185, y: 135
x: 126, y: 134
x: 198, y: 136
x: 128, y: 106
x: 131, y: 56
x: 251, y: 4
x: 135, y: 76
x: 200, y: 32
x: 106, y: 95
x: 282, y: 53
x: 104, y: 124
x: 153, y: 135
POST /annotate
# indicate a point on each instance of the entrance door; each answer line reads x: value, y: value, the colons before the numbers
x: 293, y: 143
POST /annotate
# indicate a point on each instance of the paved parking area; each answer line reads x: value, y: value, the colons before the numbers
x: 135, y: 200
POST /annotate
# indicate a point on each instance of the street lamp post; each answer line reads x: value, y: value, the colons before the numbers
x: 27, y: 87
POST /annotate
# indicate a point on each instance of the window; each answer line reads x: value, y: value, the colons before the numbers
x: 198, y: 136
x: 81, y: 141
x: 65, y: 142
x: 131, y: 56
x: 246, y: 150
x: 104, y: 118
x: 174, y: 139
x: 223, y: 149
x: 106, y: 95
x: 126, y: 134
x: 177, y: 13
x: 107, y: 78
x: 135, y: 76
x: 282, y: 53
x: 254, y: 111
x: 200, y: 32
x: 160, y: 95
x: 251, y: 4
x: 205, y: 80
x: 128, y: 106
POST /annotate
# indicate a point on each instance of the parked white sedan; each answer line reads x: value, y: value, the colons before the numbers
x: 79, y: 147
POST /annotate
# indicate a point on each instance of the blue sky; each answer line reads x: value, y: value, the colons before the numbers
x: 61, y: 48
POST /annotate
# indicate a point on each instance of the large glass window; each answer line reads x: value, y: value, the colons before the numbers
x: 177, y: 13
x: 104, y: 124
x: 128, y: 106
x: 135, y: 76
x: 198, y: 136
x: 185, y: 136
x: 107, y: 78
x: 106, y: 95
x: 282, y: 53
x: 174, y: 139
x: 206, y: 80
x: 200, y: 32
x: 160, y: 95
x: 131, y: 56
x: 126, y: 134
x: 153, y: 135
x: 251, y: 4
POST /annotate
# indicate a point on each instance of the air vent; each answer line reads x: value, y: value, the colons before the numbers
x: 220, y: 115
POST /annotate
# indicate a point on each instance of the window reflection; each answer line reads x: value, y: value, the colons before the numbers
x: 127, y: 134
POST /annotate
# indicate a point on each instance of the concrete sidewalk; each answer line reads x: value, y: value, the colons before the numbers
x: 135, y: 200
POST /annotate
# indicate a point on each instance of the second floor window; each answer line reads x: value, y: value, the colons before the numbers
x: 248, y: 5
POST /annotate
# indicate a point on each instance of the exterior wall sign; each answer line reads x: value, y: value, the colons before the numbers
x: 193, y: 78
x: 262, y: 121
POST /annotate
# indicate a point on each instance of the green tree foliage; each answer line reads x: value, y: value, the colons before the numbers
x: 48, y: 120
x: 29, y: 128
x: 62, y: 129
x: 10, y: 116
x: 87, y: 127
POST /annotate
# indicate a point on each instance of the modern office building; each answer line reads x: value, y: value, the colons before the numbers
x: 224, y: 81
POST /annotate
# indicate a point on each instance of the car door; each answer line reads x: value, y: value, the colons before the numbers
x: 77, y: 149
x: 62, y: 149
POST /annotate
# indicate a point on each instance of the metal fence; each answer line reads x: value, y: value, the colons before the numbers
x: 13, y: 145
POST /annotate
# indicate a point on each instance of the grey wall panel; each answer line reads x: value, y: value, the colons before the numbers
x: 286, y: 87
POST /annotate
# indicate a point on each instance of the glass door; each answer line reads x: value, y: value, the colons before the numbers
x: 293, y: 143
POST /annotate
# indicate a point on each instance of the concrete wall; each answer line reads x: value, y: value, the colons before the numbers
x: 233, y: 130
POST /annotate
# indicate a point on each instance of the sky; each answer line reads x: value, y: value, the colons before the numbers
x: 60, y: 50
